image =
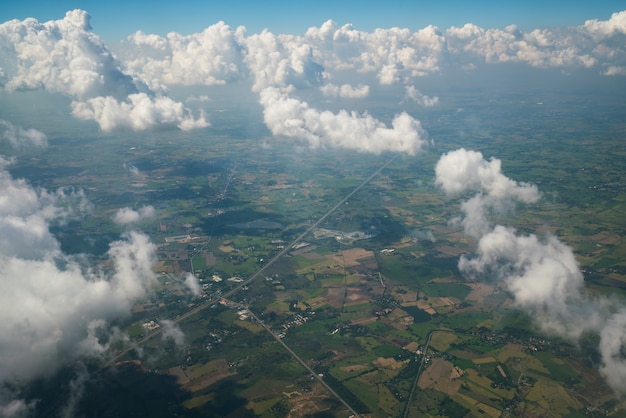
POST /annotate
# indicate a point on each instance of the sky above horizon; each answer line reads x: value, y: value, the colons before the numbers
x: 114, y: 20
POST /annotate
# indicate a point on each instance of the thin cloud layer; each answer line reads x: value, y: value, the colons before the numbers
x: 19, y: 137
x: 412, y: 93
x: 542, y: 274
x: 193, y: 284
x: 345, y: 91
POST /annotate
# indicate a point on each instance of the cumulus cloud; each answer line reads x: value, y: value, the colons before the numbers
x: 50, y: 309
x: 393, y: 54
x: 462, y: 170
x: 281, y: 61
x: 291, y: 117
x: 138, y: 112
x: 126, y: 216
x: 55, y: 308
x: 596, y: 43
x: 345, y: 91
x: 465, y: 170
x: 26, y: 213
x: 616, y: 25
x: 211, y: 57
x: 282, y: 64
x: 64, y: 56
x: 542, y: 274
x: 20, y: 137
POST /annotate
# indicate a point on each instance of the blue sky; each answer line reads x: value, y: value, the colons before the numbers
x: 115, y: 19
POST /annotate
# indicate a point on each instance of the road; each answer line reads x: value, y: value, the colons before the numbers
x: 306, y: 366
x: 419, y: 371
x: 255, y: 275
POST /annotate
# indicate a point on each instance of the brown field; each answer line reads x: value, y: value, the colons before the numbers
x: 387, y: 363
x: 438, y: 376
x: 364, y: 321
x: 450, y: 251
x: 412, y: 346
x: 311, y: 403
x: 438, y: 305
x: 409, y: 296
x: 334, y: 296
x: 352, y: 256
x: 484, y: 360
x: 312, y: 256
x: 354, y: 367
x: 596, y: 392
x: 426, y: 307
x: 304, y: 250
x: 194, y: 379
x: 209, y: 259
x: 604, y: 237
x: 479, y: 291
x: 356, y: 296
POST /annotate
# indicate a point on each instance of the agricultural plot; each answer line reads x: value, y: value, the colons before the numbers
x: 367, y: 296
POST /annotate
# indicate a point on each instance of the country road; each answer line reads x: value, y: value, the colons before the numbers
x: 254, y: 276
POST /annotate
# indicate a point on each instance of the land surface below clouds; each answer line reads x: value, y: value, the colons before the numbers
x: 367, y: 299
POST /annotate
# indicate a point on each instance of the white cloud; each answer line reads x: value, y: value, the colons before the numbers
x: 393, y: 54
x: 210, y: 57
x: 64, y: 56
x: 612, y: 345
x: 615, y: 70
x: 345, y: 91
x: 125, y: 216
x: 193, y: 284
x: 415, y: 95
x: 138, y: 112
x: 52, y: 304
x: 48, y: 307
x: 607, y: 28
x: 19, y: 137
x: 296, y: 119
x: 170, y: 331
x: 26, y: 213
x: 462, y: 170
x: 281, y: 61
x: 542, y: 274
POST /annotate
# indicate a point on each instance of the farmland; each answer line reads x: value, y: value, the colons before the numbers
x: 358, y: 297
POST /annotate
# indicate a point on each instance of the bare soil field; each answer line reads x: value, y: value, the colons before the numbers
x: 440, y: 375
